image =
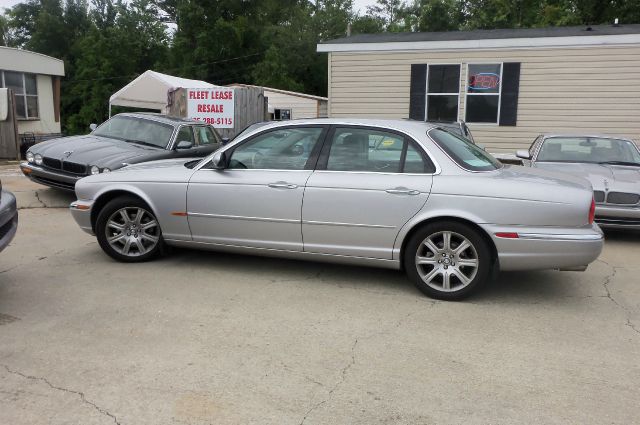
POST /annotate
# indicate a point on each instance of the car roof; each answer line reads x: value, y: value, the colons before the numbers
x: 167, y: 119
x: 393, y: 124
x: 598, y: 136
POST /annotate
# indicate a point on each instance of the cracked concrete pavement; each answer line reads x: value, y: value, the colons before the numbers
x: 210, y: 338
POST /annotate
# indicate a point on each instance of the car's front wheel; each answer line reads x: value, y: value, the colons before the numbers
x: 448, y: 260
x: 128, y: 231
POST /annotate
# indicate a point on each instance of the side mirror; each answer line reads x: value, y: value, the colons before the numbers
x: 93, y: 126
x: 219, y: 161
x: 184, y: 144
x: 523, y: 154
x: 225, y: 140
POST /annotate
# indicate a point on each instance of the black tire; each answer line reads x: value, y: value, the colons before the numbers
x: 476, y: 276
x: 131, y: 205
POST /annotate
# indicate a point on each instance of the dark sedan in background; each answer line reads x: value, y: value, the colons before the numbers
x: 611, y: 164
x: 128, y: 138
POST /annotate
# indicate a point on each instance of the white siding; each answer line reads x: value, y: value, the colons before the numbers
x: 46, y: 123
x: 25, y: 61
x: 301, y: 107
x: 587, y: 89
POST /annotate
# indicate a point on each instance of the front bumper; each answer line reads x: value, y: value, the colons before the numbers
x: 548, y: 248
x: 618, y: 217
x: 8, y: 219
x: 49, y: 177
x: 81, y: 212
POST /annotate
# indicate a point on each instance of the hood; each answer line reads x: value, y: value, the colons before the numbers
x: 165, y: 163
x: 618, y: 178
x: 94, y: 150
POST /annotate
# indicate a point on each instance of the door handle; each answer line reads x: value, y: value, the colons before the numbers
x: 282, y: 185
x: 402, y: 191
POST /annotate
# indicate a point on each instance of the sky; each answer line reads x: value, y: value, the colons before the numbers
x: 8, y: 3
x: 358, y: 5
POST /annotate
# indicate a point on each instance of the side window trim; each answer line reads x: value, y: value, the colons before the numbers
x: 323, y: 158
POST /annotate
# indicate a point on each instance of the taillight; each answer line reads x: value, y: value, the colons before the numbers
x: 592, y: 211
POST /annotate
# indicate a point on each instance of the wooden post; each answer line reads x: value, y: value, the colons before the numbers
x: 55, y: 82
x: 9, y: 139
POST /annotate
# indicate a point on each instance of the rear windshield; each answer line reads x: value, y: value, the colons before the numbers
x: 464, y: 153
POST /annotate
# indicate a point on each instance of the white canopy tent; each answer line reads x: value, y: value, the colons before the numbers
x: 150, y: 91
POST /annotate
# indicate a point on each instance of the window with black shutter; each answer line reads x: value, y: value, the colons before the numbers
x: 443, y: 92
x: 482, y: 103
x: 491, y: 93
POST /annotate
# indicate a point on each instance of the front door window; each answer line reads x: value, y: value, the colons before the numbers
x: 280, y: 149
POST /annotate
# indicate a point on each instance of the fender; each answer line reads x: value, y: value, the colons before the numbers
x: 429, y: 213
x: 170, y: 215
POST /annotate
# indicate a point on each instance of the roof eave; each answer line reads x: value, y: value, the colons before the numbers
x: 501, y: 43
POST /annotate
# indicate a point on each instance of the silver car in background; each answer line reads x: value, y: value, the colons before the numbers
x: 611, y: 164
x: 8, y: 217
x: 397, y: 194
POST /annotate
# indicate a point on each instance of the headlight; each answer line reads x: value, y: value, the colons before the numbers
x: 106, y: 170
x: 29, y: 156
x: 38, y: 159
x: 95, y: 170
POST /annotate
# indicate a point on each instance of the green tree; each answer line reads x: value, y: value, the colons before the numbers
x: 439, y: 15
x: 110, y: 58
x: 367, y: 24
x: 4, y: 31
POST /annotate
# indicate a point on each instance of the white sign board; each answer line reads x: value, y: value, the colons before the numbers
x: 214, y: 106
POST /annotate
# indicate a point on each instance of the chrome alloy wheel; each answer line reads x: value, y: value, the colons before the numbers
x: 132, y: 231
x: 447, y: 261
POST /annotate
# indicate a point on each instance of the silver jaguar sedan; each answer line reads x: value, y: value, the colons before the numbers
x: 398, y: 194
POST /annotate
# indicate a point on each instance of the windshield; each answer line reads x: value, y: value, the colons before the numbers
x: 589, y: 149
x: 463, y: 152
x: 136, y: 130
x: 250, y: 128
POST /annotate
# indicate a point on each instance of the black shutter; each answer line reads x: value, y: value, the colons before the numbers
x: 510, y: 88
x: 418, y: 92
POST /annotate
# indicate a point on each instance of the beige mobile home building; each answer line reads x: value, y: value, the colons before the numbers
x: 508, y: 85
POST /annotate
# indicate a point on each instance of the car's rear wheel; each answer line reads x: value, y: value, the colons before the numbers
x: 128, y: 231
x: 448, y: 260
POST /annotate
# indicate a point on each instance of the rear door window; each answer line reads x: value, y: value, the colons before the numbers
x: 205, y: 136
x: 374, y: 150
x: 185, y: 135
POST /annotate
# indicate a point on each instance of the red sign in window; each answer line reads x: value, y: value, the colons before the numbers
x: 484, y: 81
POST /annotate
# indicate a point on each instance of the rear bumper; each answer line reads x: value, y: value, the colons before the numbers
x: 48, y: 177
x: 548, y: 248
x: 8, y: 219
x: 81, y: 212
x: 618, y: 217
